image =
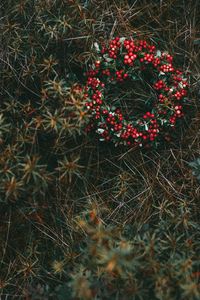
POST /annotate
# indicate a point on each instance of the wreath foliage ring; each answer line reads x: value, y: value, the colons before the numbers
x: 124, y: 59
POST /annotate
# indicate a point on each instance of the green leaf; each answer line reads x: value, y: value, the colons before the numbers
x: 196, y: 42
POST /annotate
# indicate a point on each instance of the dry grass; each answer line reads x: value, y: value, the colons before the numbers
x: 40, y: 239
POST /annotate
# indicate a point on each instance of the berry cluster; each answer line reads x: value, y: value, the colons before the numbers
x: 121, y: 59
x: 120, y: 75
x: 167, y: 68
x: 159, y: 85
x: 114, y: 48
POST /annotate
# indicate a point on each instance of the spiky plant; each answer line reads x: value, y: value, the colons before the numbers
x: 80, y: 219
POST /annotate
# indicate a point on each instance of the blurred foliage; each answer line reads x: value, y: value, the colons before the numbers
x: 195, y: 165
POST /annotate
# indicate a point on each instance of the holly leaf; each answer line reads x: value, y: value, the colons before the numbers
x: 158, y: 53
x: 96, y: 46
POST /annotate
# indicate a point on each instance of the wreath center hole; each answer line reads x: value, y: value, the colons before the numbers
x: 133, y: 96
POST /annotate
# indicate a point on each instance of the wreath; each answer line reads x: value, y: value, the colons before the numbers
x: 129, y: 60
